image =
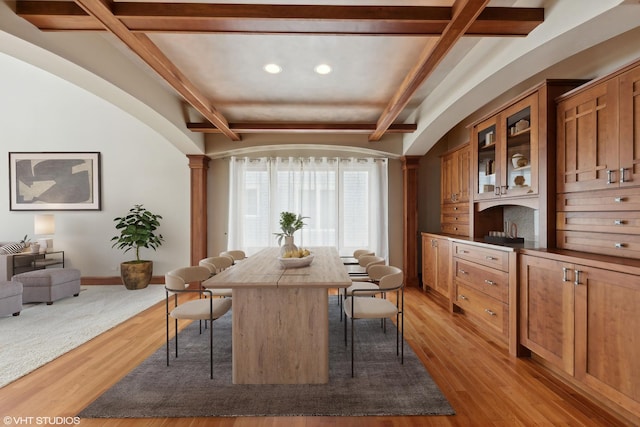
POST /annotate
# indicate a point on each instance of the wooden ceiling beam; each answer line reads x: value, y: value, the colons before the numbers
x: 299, y: 127
x: 141, y: 45
x: 280, y: 19
x: 465, y: 13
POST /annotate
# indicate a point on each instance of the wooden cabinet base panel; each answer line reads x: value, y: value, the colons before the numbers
x: 587, y: 393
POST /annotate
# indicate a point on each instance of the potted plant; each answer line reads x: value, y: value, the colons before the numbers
x: 289, y: 224
x: 137, y: 230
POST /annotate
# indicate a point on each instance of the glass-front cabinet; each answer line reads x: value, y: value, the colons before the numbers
x: 506, y: 152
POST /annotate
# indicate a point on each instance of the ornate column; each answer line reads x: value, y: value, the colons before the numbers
x: 199, y: 164
x: 410, y: 218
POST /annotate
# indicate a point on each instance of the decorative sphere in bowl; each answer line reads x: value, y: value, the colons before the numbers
x: 296, y: 262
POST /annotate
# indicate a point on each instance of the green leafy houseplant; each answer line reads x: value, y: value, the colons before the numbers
x: 289, y: 224
x: 138, y: 230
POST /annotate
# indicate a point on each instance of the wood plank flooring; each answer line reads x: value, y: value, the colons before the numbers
x: 482, y: 382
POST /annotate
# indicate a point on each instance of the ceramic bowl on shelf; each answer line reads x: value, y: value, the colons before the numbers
x: 519, y: 161
x: 296, y: 262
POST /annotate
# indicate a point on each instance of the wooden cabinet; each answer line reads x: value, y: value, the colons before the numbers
x: 435, y: 263
x: 506, y: 152
x: 599, y: 166
x: 599, y: 134
x: 513, y: 156
x: 454, y: 191
x: 484, y: 280
x: 582, y: 314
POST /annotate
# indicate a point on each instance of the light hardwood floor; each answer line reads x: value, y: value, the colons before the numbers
x: 485, y: 386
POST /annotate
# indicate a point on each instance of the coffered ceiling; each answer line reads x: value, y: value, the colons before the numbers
x: 213, y: 55
x: 394, y: 64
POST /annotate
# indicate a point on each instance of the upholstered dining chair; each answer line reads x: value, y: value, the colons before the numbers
x: 361, y: 305
x: 216, y: 265
x: 364, y: 262
x: 353, y: 259
x: 177, y: 282
x: 235, y: 255
x: 375, y: 272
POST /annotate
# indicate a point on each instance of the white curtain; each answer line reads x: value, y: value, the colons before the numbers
x: 344, y: 199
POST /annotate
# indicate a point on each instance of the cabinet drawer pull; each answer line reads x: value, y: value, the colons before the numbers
x: 620, y: 245
x: 462, y: 251
x: 462, y: 271
x: 620, y: 199
x: 462, y: 297
x: 619, y: 222
x: 565, y: 278
x: 490, y: 258
x: 490, y: 312
x: 455, y: 208
x: 489, y: 282
x: 609, y: 176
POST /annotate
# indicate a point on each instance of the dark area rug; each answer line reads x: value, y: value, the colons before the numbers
x: 382, y: 386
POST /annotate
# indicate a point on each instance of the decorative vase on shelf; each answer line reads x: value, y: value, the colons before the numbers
x: 288, y: 246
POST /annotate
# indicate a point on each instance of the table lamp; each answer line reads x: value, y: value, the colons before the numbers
x: 44, y: 224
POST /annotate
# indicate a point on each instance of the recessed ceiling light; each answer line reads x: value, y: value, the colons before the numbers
x: 272, y: 68
x: 323, y: 69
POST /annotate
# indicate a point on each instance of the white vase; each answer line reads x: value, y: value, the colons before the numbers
x: 288, y: 246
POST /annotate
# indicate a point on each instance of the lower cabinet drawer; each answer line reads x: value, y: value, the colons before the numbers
x: 456, y: 229
x: 490, y: 257
x: 490, y: 281
x: 483, y: 307
x: 601, y: 222
x: 622, y: 245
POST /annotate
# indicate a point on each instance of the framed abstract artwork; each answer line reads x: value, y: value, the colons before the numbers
x: 54, y: 181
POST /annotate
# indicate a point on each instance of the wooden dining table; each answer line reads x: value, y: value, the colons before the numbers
x: 280, y: 316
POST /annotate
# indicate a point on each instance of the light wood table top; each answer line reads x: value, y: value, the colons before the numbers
x: 264, y: 270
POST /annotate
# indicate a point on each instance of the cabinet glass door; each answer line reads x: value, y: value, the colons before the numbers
x: 487, y: 157
x: 520, y: 164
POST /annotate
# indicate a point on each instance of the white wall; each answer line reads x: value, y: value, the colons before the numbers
x: 41, y: 112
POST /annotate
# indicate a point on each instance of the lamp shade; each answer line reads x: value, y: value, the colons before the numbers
x: 44, y: 224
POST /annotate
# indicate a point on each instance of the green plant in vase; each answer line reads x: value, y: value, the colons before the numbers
x: 289, y: 224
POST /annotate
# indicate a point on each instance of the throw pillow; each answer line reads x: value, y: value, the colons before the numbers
x: 11, y: 248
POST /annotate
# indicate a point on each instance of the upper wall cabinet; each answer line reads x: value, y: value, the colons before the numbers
x: 506, y: 152
x: 454, y: 191
x: 599, y: 134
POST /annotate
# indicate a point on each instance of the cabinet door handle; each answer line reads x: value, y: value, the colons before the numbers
x: 503, y: 189
x: 609, y: 176
x: 490, y: 312
x: 565, y: 277
x: 434, y: 243
x: 622, y: 170
x: 489, y: 282
x: 462, y: 297
x: 620, y: 245
x: 577, y: 278
x: 497, y: 190
x: 619, y: 222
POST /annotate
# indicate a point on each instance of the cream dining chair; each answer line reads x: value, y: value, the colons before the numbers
x: 177, y: 282
x: 216, y: 265
x: 353, y: 259
x: 375, y: 272
x: 235, y: 255
x: 361, y: 305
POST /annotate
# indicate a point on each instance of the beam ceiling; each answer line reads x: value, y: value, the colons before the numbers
x: 131, y: 21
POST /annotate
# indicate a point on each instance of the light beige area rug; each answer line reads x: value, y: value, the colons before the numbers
x: 43, y: 332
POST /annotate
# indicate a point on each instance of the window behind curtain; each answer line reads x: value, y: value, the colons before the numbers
x: 345, y: 201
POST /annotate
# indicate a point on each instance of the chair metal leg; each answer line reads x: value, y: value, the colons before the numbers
x: 167, y: 325
x: 211, y: 350
x: 176, y: 338
x: 352, y: 344
x: 345, y: 330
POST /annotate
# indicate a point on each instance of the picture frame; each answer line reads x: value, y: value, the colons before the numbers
x: 47, y: 181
